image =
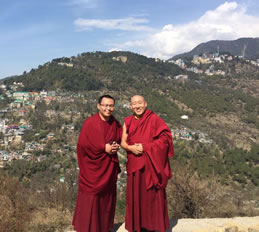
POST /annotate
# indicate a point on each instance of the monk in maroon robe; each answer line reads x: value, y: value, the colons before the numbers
x: 99, y: 166
x: 148, y: 142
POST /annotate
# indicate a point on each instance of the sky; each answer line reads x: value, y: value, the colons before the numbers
x: 33, y: 33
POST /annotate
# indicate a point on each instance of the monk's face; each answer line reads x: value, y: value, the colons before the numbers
x: 106, y: 108
x: 138, y: 105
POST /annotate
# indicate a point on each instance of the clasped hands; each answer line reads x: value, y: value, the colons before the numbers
x: 112, y: 149
x: 136, y: 149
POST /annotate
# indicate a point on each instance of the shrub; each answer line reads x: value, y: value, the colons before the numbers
x: 190, y: 196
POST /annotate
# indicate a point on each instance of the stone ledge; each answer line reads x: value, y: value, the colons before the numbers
x: 237, y: 224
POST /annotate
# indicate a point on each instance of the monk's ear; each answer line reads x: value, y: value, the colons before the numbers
x: 131, y: 107
x: 98, y: 106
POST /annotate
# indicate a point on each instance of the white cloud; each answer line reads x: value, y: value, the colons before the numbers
x: 114, y: 49
x: 125, y: 24
x: 227, y: 22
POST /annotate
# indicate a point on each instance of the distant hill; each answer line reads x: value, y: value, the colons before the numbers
x: 221, y: 106
x: 246, y: 47
x: 95, y: 71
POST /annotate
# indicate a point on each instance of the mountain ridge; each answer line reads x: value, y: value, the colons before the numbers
x: 246, y: 47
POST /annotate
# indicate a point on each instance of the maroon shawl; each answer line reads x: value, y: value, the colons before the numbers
x: 156, y: 138
x: 96, y: 166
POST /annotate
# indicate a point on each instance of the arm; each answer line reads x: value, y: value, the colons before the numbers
x: 136, y: 149
x: 124, y: 137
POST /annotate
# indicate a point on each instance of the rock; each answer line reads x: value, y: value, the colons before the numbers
x: 254, y: 229
x: 232, y: 229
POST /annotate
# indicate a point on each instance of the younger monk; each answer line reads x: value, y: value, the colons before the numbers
x: 148, y: 142
x: 99, y: 166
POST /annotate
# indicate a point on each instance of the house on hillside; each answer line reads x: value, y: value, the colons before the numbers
x: 120, y: 58
x: 50, y: 136
x: 66, y: 64
x: 2, y: 86
x: 18, y: 103
x: 185, y: 117
x: 21, y: 96
x: 179, y: 62
x: 218, y: 59
x: 52, y: 93
x: 181, y: 77
x: 43, y: 93
x: 35, y: 96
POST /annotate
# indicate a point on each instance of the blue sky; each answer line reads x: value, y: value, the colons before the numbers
x: 35, y: 32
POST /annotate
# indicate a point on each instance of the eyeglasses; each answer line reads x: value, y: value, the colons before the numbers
x: 107, y: 106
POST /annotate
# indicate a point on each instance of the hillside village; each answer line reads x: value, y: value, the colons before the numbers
x: 20, y: 140
x: 21, y: 103
x: 211, y: 60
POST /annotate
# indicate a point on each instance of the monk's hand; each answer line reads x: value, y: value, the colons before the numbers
x: 136, y: 149
x: 115, y: 148
x: 111, y: 148
x: 139, y: 147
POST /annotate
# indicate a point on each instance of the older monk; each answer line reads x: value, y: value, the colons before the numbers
x: 148, y: 142
x: 97, y: 148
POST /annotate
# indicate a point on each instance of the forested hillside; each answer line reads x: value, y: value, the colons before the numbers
x: 215, y: 167
x: 211, y: 102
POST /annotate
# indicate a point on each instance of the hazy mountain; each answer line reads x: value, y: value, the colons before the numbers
x: 246, y: 47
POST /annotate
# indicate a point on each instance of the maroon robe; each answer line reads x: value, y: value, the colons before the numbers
x: 146, y: 204
x: 96, y: 200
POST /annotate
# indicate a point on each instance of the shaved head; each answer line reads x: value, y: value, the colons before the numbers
x: 137, y: 98
x: 138, y: 105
